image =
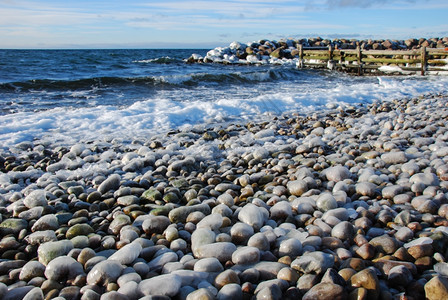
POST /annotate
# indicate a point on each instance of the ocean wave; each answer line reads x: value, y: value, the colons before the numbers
x: 183, y: 80
x: 159, y: 60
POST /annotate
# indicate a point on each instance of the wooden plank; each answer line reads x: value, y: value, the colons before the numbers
x: 437, y: 50
x: 441, y: 62
x: 315, y: 52
x: 314, y: 48
x: 391, y: 60
x: 391, y: 52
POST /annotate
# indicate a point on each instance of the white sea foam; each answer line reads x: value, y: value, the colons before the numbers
x: 157, y: 115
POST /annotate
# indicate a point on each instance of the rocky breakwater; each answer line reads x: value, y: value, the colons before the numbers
x: 348, y: 202
x: 287, y: 50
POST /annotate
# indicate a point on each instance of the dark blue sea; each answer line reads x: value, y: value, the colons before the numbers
x: 64, y: 96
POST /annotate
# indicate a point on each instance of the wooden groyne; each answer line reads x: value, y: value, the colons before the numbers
x: 359, y: 57
x: 422, y: 61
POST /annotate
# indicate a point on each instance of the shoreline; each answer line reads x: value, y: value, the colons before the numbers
x: 370, y: 57
x: 237, y: 211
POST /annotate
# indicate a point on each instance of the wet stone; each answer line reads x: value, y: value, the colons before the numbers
x: 436, y: 288
x: 31, y: 269
x: 367, y: 279
x: 325, y: 290
x: 104, y: 272
x: 163, y: 285
x: 226, y: 277
x: 12, y: 226
x: 246, y: 255
x: 253, y: 216
x: 385, y: 244
x: 313, y: 262
x: 211, y: 264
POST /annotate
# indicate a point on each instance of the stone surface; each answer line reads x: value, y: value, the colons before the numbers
x: 253, y: 216
x: 343, y: 231
x: 63, y: 267
x: 127, y: 254
x: 222, y: 251
x: 31, y: 269
x: 246, y: 255
x: 111, y: 183
x: 337, y: 173
x: 436, y: 288
x: 230, y: 291
x: 385, y: 244
x: 163, y: 285
x: 368, y: 280
x: 104, y: 272
x: 226, y: 277
x: 326, y: 291
x: 210, y: 264
x: 49, y: 251
x: 313, y: 262
x: 36, y: 198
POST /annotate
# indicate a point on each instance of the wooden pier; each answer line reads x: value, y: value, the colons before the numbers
x: 421, y: 61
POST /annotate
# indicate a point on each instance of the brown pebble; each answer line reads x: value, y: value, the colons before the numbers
x: 356, y: 264
x: 247, y: 288
x: 112, y: 286
x: 360, y: 240
x: 367, y: 279
x: 285, y: 260
x: 423, y: 263
x: 346, y: 273
x: 385, y: 265
x: 366, y: 251
x: 288, y: 274
x: 415, y: 226
x: 331, y: 243
x: 437, y: 288
x: 358, y: 294
x: 49, y: 285
x: 226, y: 277
x: 421, y: 251
x: 52, y: 294
x: 402, y: 254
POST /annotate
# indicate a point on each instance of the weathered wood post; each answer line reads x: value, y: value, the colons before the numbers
x: 301, y: 62
x: 330, y: 63
x: 423, y: 60
x: 359, y: 54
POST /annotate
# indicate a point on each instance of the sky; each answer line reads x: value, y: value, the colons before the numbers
x: 209, y: 24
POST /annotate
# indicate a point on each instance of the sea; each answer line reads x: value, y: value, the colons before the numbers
x: 62, y: 97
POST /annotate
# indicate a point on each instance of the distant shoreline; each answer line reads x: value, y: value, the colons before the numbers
x: 412, y: 56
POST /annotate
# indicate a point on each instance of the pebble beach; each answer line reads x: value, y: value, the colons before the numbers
x: 350, y: 202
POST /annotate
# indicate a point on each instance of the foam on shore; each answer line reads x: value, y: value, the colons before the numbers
x: 142, y: 119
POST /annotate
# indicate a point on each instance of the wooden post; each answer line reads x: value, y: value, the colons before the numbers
x: 423, y: 60
x: 330, y: 63
x: 359, y: 52
x: 302, y: 61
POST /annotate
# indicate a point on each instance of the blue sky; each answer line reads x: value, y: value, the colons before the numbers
x: 207, y: 24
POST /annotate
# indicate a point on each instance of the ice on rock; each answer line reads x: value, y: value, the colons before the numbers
x: 35, y: 198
